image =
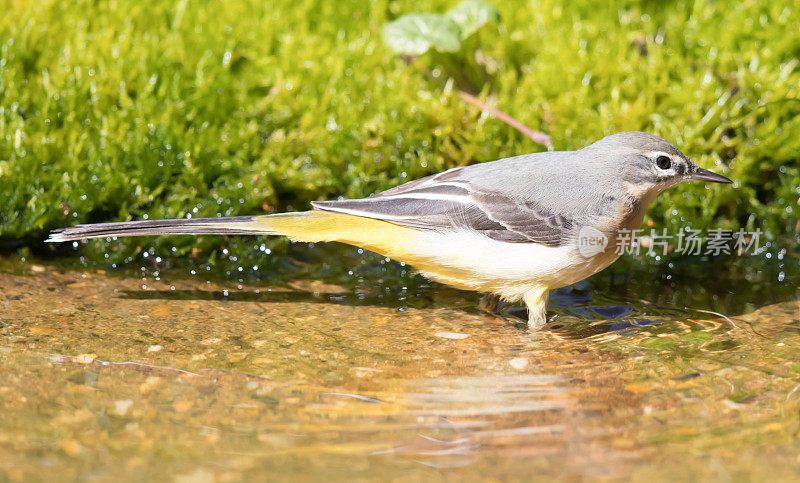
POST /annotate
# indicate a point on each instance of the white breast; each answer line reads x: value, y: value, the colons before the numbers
x: 508, y: 269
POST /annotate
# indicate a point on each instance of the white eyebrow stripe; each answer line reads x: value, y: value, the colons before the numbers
x: 656, y: 154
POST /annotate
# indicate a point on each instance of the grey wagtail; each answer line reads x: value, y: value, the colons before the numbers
x: 515, y: 228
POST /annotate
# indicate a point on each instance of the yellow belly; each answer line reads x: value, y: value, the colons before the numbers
x: 394, y: 241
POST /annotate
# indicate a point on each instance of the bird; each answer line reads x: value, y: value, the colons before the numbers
x: 515, y: 228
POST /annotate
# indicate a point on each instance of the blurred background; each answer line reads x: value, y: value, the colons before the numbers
x: 125, y: 110
x: 251, y: 358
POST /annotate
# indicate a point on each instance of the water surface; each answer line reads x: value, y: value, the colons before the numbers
x: 103, y: 376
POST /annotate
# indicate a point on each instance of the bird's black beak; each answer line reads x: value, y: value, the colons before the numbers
x: 705, y: 175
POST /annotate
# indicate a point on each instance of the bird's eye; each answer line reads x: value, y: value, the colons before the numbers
x: 663, y: 162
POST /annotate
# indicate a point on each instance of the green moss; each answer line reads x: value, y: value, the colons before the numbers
x: 117, y: 110
x: 659, y: 343
x: 697, y: 337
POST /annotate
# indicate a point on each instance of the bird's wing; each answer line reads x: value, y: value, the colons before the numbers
x: 447, y: 201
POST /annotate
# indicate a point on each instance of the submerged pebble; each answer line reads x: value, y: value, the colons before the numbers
x: 451, y: 335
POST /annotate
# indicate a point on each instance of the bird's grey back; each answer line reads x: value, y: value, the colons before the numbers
x: 573, y: 181
x: 558, y: 181
x: 541, y: 197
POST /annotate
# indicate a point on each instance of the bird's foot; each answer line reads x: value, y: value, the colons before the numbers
x: 535, y: 312
x: 522, y: 314
x: 536, y: 301
x: 536, y: 320
x: 490, y: 304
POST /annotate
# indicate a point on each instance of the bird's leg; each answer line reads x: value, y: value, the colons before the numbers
x: 489, y: 303
x: 536, y: 300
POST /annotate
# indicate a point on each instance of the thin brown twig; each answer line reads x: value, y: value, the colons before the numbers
x: 537, y: 136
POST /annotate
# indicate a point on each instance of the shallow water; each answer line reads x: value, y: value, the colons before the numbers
x: 101, y: 378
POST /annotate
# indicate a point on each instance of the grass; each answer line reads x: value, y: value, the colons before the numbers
x: 121, y: 110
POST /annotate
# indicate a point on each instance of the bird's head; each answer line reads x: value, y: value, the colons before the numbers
x: 648, y: 164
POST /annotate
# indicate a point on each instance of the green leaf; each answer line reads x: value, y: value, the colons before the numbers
x: 697, y: 337
x: 659, y: 343
x: 471, y: 15
x: 415, y: 33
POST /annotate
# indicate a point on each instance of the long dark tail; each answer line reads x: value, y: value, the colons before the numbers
x: 234, y: 225
x: 379, y: 236
x: 304, y: 226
